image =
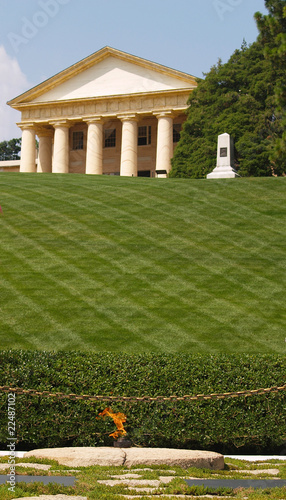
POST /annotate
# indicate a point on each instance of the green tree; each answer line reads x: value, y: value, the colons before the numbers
x: 245, y: 97
x: 9, y: 150
x: 237, y: 98
x: 272, y: 29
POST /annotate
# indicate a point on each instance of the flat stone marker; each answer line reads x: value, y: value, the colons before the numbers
x: 225, y: 159
x: 82, y: 456
x: 108, y: 456
x: 171, y: 457
x: 63, y: 480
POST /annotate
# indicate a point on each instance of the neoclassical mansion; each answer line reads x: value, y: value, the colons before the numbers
x: 111, y: 113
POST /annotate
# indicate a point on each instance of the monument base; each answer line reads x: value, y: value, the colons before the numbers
x: 223, y: 173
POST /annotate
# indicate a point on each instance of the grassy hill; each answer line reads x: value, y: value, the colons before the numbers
x: 142, y: 265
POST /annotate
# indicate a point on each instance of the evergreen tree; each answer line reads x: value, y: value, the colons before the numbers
x: 238, y: 98
x: 273, y: 38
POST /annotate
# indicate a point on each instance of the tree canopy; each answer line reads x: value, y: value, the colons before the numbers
x: 9, y: 150
x: 240, y: 98
x: 273, y: 38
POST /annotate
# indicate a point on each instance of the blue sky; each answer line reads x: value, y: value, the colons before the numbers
x: 39, y: 38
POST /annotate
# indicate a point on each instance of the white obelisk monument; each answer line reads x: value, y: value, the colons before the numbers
x: 225, y: 159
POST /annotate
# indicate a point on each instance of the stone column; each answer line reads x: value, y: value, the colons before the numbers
x: 45, y: 150
x: 128, y: 162
x: 61, y: 148
x: 28, y: 148
x: 165, y: 147
x: 94, y: 147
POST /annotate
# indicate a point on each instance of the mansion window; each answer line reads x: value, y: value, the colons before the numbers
x: 77, y: 140
x: 177, y: 127
x: 110, y: 138
x: 144, y: 136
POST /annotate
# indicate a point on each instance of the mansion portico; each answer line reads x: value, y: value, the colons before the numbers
x: 111, y: 113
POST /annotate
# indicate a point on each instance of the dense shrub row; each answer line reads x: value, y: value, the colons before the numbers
x: 244, y: 424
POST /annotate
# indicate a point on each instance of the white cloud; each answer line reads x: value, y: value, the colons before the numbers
x: 12, y: 83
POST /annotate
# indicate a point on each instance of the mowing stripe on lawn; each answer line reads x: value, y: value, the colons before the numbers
x: 68, y: 335
x: 34, y: 216
x: 71, y: 269
x: 267, y: 284
x: 37, y: 311
x: 81, y: 244
x: 181, y: 294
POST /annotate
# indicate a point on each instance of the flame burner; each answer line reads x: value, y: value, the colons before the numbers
x: 122, y: 442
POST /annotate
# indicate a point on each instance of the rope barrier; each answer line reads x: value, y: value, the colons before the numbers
x: 110, y: 399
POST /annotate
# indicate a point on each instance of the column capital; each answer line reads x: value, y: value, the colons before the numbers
x: 130, y: 118
x: 44, y: 132
x: 165, y: 114
x: 60, y: 123
x: 26, y: 126
x: 93, y: 119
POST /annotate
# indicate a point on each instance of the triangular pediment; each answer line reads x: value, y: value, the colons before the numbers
x: 108, y: 72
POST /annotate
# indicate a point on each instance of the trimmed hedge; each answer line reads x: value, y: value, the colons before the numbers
x: 246, y: 424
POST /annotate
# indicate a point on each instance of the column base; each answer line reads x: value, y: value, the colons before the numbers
x: 161, y: 174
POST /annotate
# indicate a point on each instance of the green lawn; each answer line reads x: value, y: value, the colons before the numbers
x: 139, y: 265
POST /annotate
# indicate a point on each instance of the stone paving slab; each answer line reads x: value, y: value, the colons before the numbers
x: 34, y: 466
x: 154, y: 483
x: 130, y: 483
x: 270, y: 472
x: 52, y: 497
x: 152, y: 493
x: 150, y: 469
x: 108, y: 456
x: 127, y: 476
x: 145, y: 490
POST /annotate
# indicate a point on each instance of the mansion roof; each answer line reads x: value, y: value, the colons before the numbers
x: 106, y: 73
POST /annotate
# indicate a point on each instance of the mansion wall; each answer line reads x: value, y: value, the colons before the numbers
x: 112, y: 139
